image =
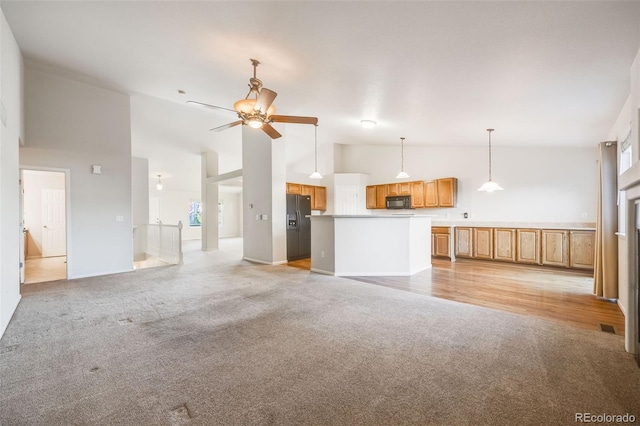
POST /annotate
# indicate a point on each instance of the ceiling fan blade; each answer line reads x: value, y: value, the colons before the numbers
x: 210, y: 106
x: 293, y: 119
x: 269, y: 130
x: 226, y: 126
x: 265, y: 99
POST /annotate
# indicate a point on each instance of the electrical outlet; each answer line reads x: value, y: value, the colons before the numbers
x: 119, y: 219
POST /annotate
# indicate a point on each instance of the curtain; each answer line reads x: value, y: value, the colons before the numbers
x: 605, y: 282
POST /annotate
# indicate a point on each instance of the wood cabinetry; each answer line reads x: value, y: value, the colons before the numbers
x: 371, y: 197
x: 381, y: 196
x: 318, y: 194
x: 504, y: 244
x: 483, y: 243
x: 393, y: 189
x: 404, y: 188
x: 294, y: 188
x: 581, y: 249
x: 555, y: 247
x: 528, y: 246
x: 441, y: 241
x: 549, y: 247
x: 417, y: 194
x: 463, y: 242
x: 447, y: 189
x: 431, y: 193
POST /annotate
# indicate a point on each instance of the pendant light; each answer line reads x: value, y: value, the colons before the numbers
x: 402, y: 174
x: 315, y: 174
x: 490, y: 186
x: 159, y: 184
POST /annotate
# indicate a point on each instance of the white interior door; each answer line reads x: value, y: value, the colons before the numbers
x: 54, y: 240
x: 346, y: 200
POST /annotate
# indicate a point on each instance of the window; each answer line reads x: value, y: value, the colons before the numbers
x: 195, y: 213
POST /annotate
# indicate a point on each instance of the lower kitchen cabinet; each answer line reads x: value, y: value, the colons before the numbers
x: 504, y: 245
x: 528, y: 246
x: 440, y: 242
x: 483, y: 243
x: 581, y: 249
x: 464, y: 242
x: 555, y: 247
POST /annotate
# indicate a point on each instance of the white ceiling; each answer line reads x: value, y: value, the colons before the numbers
x: 438, y: 73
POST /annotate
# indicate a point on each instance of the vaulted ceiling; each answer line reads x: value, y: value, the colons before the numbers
x: 438, y: 73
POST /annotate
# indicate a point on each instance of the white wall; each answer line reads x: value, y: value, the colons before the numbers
x: 174, y: 208
x: 264, y: 197
x: 231, y: 214
x: 73, y: 125
x: 11, y: 132
x: 541, y: 184
x: 35, y: 182
x: 140, y: 204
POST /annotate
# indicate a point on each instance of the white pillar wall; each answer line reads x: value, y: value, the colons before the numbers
x: 264, y: 197
x: 209, y: 201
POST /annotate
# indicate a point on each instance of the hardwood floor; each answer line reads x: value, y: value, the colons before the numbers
x: 301, y: 263
x: 44, y: 269
x: 551, y: 293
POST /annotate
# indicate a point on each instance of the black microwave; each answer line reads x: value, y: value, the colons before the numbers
x: 399, y: 202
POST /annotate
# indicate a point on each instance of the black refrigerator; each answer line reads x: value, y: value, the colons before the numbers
x: 298, y: 226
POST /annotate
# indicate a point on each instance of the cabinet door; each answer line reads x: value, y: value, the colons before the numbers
x: 381, y: 196
x: 294, y: 188
x: 555, y: 250
x: 431, y: 194
x: 308, y: 190
x: 417, y: 195
x: 441, y: 244
x: 581, y: 249
x: 528, y: 246
x: 447, y: 189
x: 393, y: 189
x: 504, y: 244
x: 404, y: 188
x: 320, y: 197
x: 483, y: 243
x: 371, y: 197
x: 464, y: 242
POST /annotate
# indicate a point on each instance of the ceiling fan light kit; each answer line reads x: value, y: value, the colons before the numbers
x: 256, y: 109
x: 490, y: 186
x: 402, y: 174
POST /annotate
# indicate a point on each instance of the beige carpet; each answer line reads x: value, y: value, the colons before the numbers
x: 219, y: 341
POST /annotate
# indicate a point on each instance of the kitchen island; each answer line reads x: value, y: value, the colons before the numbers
x: 373, y: 245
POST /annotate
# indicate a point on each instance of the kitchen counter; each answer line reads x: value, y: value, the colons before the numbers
x: 512, y: 224
x: 359, y: 245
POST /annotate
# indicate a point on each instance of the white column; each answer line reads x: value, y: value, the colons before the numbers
x: 264, y: 199
x: 209, y: 201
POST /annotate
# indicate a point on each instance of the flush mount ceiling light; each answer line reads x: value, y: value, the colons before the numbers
x: 402, y: 174
x: 316, y: 174
x: 159, y: 184
x: 368, y: 124
x: 490, y: 186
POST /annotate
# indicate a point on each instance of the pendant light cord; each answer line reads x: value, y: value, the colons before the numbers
x: 316, y: 145
x: 402, y: 154
x: 489, y: 130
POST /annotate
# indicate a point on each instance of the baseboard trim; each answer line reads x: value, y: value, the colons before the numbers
x: 622, y: 308
x: 262, y: 262
x: 322, y: 271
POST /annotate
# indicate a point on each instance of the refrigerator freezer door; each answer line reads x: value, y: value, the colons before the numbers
x: 304, y: 220
x: 292, y: 227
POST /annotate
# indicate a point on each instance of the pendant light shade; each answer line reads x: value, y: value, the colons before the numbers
x: 490, y: 186
x: 402, y: 174
x: 315, y: 174
x: 159, y: 184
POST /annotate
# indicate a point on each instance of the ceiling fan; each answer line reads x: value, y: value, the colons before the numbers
x: 257, y: 110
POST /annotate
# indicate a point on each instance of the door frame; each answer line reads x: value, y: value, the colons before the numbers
x: 67, y: 207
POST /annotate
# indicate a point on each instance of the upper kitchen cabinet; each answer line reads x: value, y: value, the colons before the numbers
x: 371, y: 197
x: 417, y: 194
x: 381, y: 196
x: 393, y: 189
x: 431, y: 193
x: 318, y: 194
x: 447, y: 189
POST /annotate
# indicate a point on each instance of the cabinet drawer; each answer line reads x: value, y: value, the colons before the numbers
x: 440, y: 230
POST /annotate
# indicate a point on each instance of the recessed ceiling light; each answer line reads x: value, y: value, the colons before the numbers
x: 368, y: 124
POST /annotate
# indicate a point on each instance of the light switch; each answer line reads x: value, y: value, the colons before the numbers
x: 119, y: 219
x: 96, y: 170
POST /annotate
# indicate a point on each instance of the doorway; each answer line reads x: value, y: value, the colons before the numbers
x: 44, y: 223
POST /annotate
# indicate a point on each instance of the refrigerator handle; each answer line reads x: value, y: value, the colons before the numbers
x: 298, y: 220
